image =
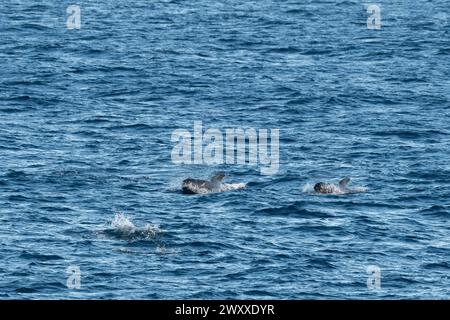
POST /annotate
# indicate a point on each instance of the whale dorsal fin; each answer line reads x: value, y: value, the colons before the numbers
x: 218, y: 177
x: 344, y: 182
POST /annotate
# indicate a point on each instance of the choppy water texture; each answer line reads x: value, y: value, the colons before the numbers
x: 86, y: 175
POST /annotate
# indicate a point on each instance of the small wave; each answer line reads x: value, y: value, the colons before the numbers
x: 34, y: 256
x: 283, y: 50
x: 437, y: 265
x: 160, y: 250
x: 437, y: 211
x: 133, y: 126
x: 25, y: 290
x: 296, y: 209
x: 16, y: 174
x: 35, y: 26
x: 123, y: 228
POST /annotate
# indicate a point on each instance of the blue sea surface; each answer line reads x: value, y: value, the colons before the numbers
x: 87, y: 178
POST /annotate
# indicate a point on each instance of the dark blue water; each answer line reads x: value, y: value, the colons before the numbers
x: 87, y: 178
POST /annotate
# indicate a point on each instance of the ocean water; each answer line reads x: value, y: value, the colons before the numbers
x: 87, y: 180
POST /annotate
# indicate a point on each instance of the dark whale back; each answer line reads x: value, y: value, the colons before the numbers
x: 322, y: 187
x: 192, y: 186
x: 318, y: 186
x: 200, y: 184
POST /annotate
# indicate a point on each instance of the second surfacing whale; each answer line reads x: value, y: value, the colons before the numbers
x: 215, y: 184
x: 340, y: 188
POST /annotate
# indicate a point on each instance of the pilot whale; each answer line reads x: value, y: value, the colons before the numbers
x: 325, y: 187
x: 215, y: 184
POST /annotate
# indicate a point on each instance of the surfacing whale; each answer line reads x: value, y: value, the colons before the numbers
x: 215, y: 184
x: 331, y: 188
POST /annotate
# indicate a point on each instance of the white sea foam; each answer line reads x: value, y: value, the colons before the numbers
x: 358, y: 190
x: 232, y: 186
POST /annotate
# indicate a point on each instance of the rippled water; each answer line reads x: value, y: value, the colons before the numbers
x: 85, y: 146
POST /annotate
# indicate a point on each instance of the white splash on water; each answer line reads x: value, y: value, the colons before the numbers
x: 358, y: 190
x: 125, y: 228
x: 232, y: 186
x: 308, y: 188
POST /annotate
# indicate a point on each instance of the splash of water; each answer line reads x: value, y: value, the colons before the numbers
x: 308, y: 188
x: 122, y: 227
x: 232, y: 186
